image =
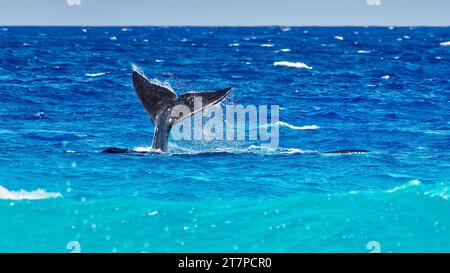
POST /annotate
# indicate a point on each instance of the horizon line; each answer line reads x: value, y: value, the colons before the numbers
x: 195, y: 25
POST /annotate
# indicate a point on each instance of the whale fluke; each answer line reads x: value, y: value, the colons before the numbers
x: 159, y: 102
x: 115, y: 150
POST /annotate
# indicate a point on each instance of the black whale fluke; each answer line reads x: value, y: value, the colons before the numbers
x: 159, y: 101
x: 115, y: 150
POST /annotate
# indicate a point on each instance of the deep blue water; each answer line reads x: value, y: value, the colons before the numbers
x: 66, y: 94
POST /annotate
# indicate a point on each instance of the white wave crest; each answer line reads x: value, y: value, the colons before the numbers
x: 95, y: 74
x: 145, y: 149
x: 294, y: 127
x: 445, y: 43
x: 411, y: 183
x: 292, y: 64
x: 284, y: 50
x: 340, y: 38
x: 280, y: 150
x: 267, y: 45
x: 442, y: 190
x: 363, y: 51
x: 27, y: 195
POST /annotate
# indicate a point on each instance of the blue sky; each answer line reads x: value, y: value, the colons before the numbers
x: 225, y: 12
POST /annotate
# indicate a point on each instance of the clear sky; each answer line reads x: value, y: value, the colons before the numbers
x: 225, y: 12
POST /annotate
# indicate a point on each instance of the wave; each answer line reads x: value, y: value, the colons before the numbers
x: 305, y: 127
x: 175, y: 150
x: 280, y: 150
x: 410, y: 184
x: 38, y: 194
x: 363, y: 51
x: 294, y: 127
x: 95, y: 74
x: 54, y: 135
x: 267, y: 45
x: 445, y: 43
x: 145, y: 149
x: 440, y: 190
x: 292, y: 64
x: 340, y: 38
x: 284, y: 50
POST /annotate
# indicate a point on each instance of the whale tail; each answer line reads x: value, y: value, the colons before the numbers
x: 159, y: 103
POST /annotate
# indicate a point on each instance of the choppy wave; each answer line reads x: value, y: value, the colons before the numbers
x: 54, y: 135
x: 292, y: 64
x: 27, y: 195
x: 95, y: 74
x: 445, y: 43
x: 280, y: 150
x: 145, y: 149
x: 440, y: 190
x: 294, y: 127
x: 176, y: 150
x: 410, y: 184
x: 305, y: 127
x: 284, y: 50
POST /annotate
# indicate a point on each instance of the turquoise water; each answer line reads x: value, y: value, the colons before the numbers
x: 67, y: 95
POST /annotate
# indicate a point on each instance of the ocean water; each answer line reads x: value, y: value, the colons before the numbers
x: 66, y: 95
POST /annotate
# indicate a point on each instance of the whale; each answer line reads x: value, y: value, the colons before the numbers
x: 159, y: 101
x: 115, y: 150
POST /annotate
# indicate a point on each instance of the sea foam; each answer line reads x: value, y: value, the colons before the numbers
x: 95, y: 74
x: 294, y: 127
x: 284, y: 50
x: 292, y: 64
x: 27, y: 195
x: 410, y: 184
